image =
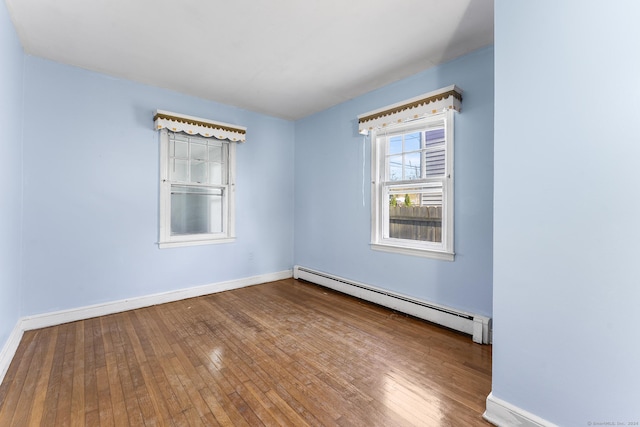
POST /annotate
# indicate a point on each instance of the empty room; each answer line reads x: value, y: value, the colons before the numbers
x: 374, y: 213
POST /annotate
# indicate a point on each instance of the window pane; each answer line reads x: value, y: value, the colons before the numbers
x: 198, y: 172
x: 196, y: 210
x: 412, y: 141
x: 178, y: 170
x: 416, y: 213
x: 434, y: 136
x: 435, y: 162
x: 215, y: 173
x: 412, y: 165
x: 198, y: 151
x: 395, y: 145
x: 215, y: 153
x: 179, y: 149
x: 395, y: 168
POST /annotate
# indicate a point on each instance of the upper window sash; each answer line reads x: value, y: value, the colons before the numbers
x: 197, y: 160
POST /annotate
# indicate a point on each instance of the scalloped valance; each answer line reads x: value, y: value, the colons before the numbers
x: 447, y: 98
x: 197, y: 126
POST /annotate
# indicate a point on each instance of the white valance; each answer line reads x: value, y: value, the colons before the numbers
x: 447, y: 98
x: 197, y: 126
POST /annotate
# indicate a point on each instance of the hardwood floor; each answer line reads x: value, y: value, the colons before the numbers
x: 282, y: 353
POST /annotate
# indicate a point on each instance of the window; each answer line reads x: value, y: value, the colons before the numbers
x: 196, y: 189
x: 412, y: 197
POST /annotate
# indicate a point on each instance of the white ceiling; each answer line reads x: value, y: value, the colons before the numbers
x: 286, y: 58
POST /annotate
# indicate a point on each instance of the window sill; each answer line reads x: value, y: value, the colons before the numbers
x: 425, y: 253
x: 165, y: 245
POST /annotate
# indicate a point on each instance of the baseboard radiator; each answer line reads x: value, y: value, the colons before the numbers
x: 475, y: 325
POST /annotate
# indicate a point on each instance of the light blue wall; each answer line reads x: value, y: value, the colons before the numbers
x: 332, y: 230
x: 91, y: 192
x: 567, y: 186
x: 11, y: 85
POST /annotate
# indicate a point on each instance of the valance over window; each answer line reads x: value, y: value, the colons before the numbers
x: 197, y: 126
x: 447, y: 98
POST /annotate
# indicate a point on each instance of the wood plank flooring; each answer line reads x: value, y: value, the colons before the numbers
x: 277, y: 354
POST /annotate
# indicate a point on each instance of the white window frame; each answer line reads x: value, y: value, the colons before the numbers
x: 166, y: 240
x: 380, y: 196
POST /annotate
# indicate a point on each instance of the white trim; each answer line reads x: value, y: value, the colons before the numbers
x: 425, y: 253
x: 58, y: 317
x: 9, y: 350
x: 163, y: 245
x: 504, y: 414
x: 231, y: 198
x: 473, y: 324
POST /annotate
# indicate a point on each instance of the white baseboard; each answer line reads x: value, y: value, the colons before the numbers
x: 473, y: 324
x: 9, y: 350
x: 87, y: 312
x: 504, y: 414
x: 59, y: 317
